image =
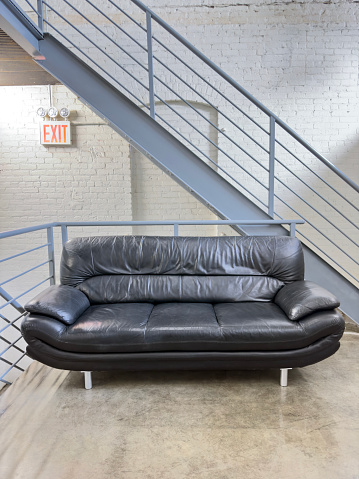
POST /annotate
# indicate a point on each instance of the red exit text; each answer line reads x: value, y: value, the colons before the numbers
x: 55, y: 133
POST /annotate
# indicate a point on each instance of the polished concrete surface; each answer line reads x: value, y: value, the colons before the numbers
x: 218, y: 425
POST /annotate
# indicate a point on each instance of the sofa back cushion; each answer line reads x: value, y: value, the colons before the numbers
x: 181, y: 268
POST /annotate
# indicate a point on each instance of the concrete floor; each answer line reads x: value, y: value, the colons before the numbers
x: 218, y: 425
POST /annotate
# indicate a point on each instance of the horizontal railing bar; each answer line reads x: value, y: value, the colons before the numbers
x: 315, y: 209
x: 322, y: 251
x: 7, y: 362
x: 96, y: 46
x: 10, y: 345
x: 127, y: 15
x: 320, y: 157
x: 115, y: 24
x: 192, y: 144
x: 210, y: 84
x: 107, y: 36
x: 326, y: 254
x: 181, y: 222
x: 216, y: 127
x: 101, y: 68
x: 13, y: 344
x: 318, y: 194
x: 164, y: 222
x: 25, y: 272
x: 316, y: 229
x: 23, y: 294
x: 212, y: 124
x: 212, y: 142
x: 24, y: 252
x: 32, y: 7
x: 245, y: 93
x: 214, y: 107
x: 13, y: 365
x: 213, y: 162
x: 7, y: 296
x: 316, y: 174
x: 6, y: 382
x: 29, y: 229
x: 10, y: 322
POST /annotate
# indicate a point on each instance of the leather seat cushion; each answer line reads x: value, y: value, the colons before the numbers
x: 144, y: 327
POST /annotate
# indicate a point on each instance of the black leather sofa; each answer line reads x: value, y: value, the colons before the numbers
x: 169, y: 303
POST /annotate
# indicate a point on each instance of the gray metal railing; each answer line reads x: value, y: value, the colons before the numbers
x: 261, y: 155
x: 11, y: 304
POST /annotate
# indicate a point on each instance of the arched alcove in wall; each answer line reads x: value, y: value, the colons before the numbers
x: 157, y: 196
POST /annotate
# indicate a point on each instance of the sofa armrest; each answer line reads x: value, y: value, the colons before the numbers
x: 64, y: 303
x: 300, y: 298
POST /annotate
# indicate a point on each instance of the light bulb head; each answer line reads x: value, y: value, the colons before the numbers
x: 41, y: 112
x: 52, y: 112
x: 64, y: 112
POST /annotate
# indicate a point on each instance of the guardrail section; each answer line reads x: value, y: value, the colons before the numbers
x: 27, y: 265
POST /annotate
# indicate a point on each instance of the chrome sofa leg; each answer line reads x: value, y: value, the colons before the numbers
x: 88, y: 379
x: 284, y: 376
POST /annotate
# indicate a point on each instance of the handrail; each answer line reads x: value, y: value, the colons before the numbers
x: 28, y: 229
x: 244, y: 92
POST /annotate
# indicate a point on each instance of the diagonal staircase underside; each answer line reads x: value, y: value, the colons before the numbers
x: 173, y: 157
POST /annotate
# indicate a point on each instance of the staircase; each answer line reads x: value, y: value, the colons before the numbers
x: 258, y: 167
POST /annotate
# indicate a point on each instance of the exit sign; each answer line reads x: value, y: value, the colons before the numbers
x: 55, y: 133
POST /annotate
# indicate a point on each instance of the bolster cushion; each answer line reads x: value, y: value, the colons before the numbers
x: 60, y: 302
x: 301, y: 298
x: 279, y: 257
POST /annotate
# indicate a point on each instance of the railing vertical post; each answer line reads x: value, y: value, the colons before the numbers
x: 40, y: 15
x: 150, y: 64
x: 175, y: 229
x: 51, y: 254
x: 271, y: 167
x: 292, y: 229
x: 64, y: 234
